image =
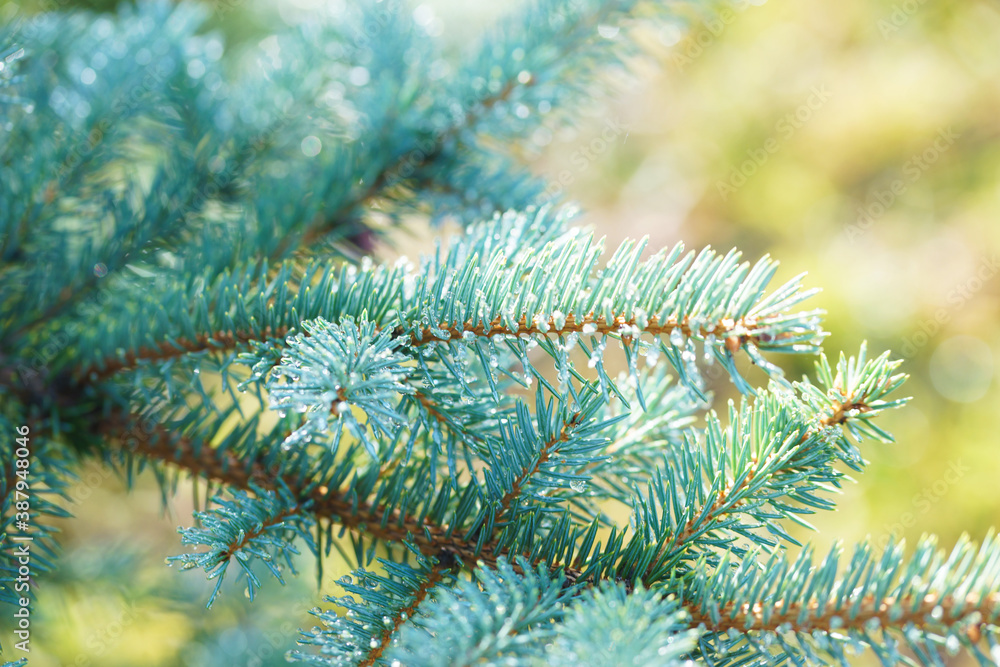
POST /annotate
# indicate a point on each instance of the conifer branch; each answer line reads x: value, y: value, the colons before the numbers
x: 707, y: 297
x: 439, y: 414
x: 612, y: 625
x: 494, y: 614
x: 399, y: 389
x: 170, y: 221
x: 733, y: 495
x: 435, y: 577
x: 889, y: 613
x: 247, y: 537
x: 432, y: 408
x: 255, y: 526
x: 735, y: 333
x: 841, y: 404
x: 227, y: 468
x: 387, y: 176
x: 221, y: 341
x: 550, y: 447
x: 932, y: 598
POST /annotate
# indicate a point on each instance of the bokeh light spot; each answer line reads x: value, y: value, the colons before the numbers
x: 961, y: 369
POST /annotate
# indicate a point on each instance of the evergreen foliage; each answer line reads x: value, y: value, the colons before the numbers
x: 188, y: 289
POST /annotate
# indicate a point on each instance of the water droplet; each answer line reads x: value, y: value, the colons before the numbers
x: 558, y: 319
x: 100, y: 269
x: 578, y: 485
x: 652, y: 355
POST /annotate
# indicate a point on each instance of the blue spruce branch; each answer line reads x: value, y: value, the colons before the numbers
x: 164, y: 252
x: 930, y: 601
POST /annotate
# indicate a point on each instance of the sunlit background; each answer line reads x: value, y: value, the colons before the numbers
x: 855, y: 140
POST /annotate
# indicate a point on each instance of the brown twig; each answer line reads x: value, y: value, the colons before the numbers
x: 257, y: 532
x: 431, y: 408
x: 724, y: 505
x: 331, y: 504
x: 548, y: 449
x: 915, y: 611
x: 435, y: 576
x: 224, y: 341
x: 724, y: 328
x: 326, y: 503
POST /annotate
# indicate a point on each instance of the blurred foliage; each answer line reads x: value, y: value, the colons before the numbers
x: 855, y: 140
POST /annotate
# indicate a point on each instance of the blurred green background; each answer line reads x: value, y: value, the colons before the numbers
x: 855, y: 140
